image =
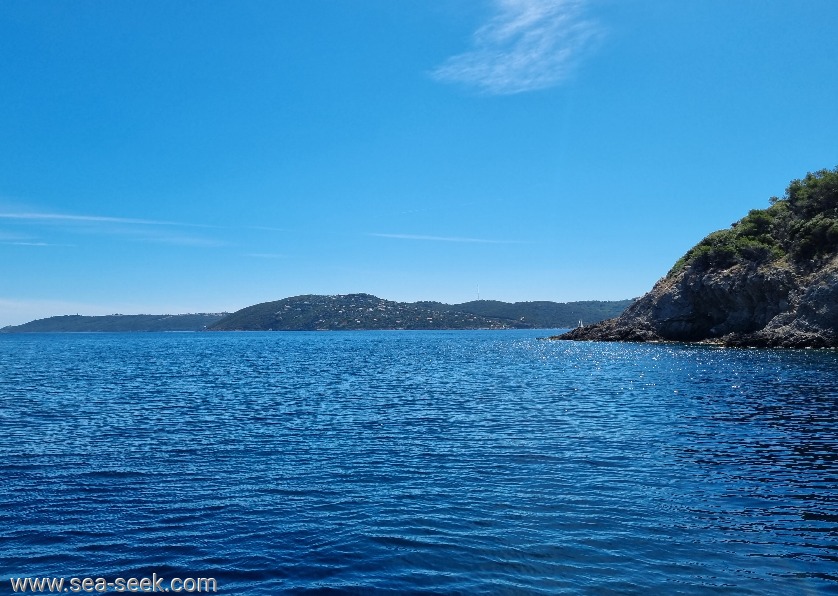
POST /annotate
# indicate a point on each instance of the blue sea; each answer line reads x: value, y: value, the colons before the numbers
x: 477, y: 462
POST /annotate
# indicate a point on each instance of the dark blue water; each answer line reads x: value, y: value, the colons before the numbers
x: 405, y: 462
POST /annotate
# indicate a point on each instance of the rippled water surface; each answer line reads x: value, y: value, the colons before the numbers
x: 404, y: 462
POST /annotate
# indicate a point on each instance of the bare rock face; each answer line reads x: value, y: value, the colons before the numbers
x: 768, y: 305
x: 813, y: 322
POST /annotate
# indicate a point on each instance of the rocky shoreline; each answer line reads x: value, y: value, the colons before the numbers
x: 769, y: 281
x: 746, y: 306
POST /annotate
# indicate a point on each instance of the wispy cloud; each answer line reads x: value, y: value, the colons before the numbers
x: 35, y: 244
x: 174, y: 239
x: 83, y: 219
x: 445, y: 239
x: 103, y: 219
x: 265, y: 255
x: 268, y: 229
x: 148, y: 230
x: 527, y: 45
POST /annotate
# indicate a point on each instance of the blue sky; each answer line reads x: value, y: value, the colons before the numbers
x: 165, y: 157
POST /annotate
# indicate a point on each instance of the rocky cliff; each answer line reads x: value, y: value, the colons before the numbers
x: 771, y: 280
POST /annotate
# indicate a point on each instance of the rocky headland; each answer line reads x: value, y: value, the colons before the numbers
x: 771, y: 280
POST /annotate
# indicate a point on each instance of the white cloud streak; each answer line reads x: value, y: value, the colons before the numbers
x: 84, y: 219
x: 528, y: 45
x: 36, y: 244
x: 268, y: 229
x: 445, y: 239
x: 265, y: 255
x: 140, y: 229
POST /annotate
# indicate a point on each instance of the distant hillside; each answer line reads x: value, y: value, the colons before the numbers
x: 118, y: 323
x: 345, y: 312
x: 364, y: 311
x: 542, y: 314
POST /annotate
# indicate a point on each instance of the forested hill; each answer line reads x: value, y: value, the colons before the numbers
x: 117, y: 323
x: 364, y: 311
x: 539, y: 314
x: 345, y: 312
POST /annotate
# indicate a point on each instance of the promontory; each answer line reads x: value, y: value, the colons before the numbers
x: 770, y: 280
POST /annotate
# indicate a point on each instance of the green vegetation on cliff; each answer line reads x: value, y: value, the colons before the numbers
x: 801, y: 226
x: 771, y: 280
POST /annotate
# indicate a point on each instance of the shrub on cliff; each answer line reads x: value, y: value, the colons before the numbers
x: 800, y: 226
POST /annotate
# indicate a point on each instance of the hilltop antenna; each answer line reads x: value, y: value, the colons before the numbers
x: 478, y: 292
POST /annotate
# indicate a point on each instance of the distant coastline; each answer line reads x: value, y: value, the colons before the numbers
x: 117, y: 323
x: 345, y: 312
